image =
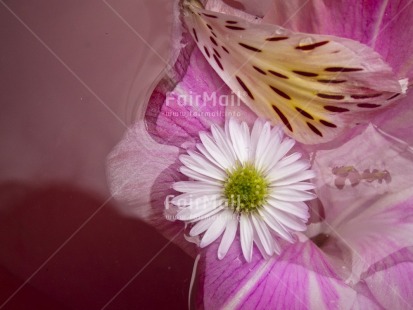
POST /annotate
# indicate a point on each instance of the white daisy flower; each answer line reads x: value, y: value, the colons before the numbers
x: 244, y: 178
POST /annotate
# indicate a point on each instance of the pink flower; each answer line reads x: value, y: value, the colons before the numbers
x: 356, y: 253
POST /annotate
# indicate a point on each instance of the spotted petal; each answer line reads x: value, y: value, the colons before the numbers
x: 313, y: 84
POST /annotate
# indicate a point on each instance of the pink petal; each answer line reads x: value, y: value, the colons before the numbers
x: 397, y: 120
x: 375, y: 23
x: 140, y: 175
x: 389, y: 281
x: 191, y: 97
x: 299, y: 278
x: 371, y: 216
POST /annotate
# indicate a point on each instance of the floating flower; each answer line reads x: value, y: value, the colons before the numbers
x: 244, y: 176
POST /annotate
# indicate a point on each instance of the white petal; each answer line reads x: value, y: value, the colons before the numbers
x: 275, y: 226
x: 255, y: 137
x: 198, y: 176
x: 201, y: 226
x: 208, y: 156
x: 269, y: 155
x: 247, y: 234
x: 196, y: 187
x: 289, y: 221
x: 296, y: 177
x: 299, y: 209
x: 194, y: 198
x: 229, y: 236
x: 214, y: 231
x: 262, y: 145
x: 189, y: 214
x: 201, y: 165
x: 282, y: 150
x: 290, y: 194
x: 215, y: 151
x: 263, y: 234
x: 288, y: 160
x: 224, y: 143
x: 280, y: 173
x: 238, y: 134
x: 301, y: 186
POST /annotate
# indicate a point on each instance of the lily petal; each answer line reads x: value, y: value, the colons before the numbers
x: 383, y: 23
x: 300, y: 278
x: 376, y: 169
x: 389, y: 281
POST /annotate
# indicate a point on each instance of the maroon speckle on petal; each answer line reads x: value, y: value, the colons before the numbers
x: 314, y: 129
x: 333, y: 97
x: 331, y: 81
x: 274, y: 39
x: 368, y: 105
x: 246, y: 89
x: 280, y: 93
x: 342, y: 69
x: 234, y: 27
x: 392, y: 97
x: 225, y: 49
x: 195, y: 35
x: 278, y: 74
x: 259, y: 70
x: 335, y: 109
x: 249, y: 47
x: 365, y: 96
x: 304, y: 73
x: 210, y: 15
x: 304, y: 113
x: 284, y: 119
x: 328, y: 124
x: 218, y: 62
x: 311, y: 46
x: 206, y: 51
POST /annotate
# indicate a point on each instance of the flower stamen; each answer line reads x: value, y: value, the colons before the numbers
x: 245, y: 188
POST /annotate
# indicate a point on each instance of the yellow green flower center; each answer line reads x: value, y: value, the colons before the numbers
x: 245, y: 188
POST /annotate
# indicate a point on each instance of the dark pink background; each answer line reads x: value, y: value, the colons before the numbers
x: 70, y: 83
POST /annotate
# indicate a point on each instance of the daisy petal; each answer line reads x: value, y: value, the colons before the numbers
x: 213, y: 149
x: 195, y: 187
x: 299, y: 209
x: 189, y: 214
x: 247, y: 234
x: 238, y: 134
x: 275, y: 226
x: 201, y: 226
x: 198, y: 176
x: 228, y: 237
x: 287, y: 220
x: 278, y: 174
x: 296, y: 177
x: 291, y: 194
x: 263, y: 234
x: 214, y: 231
x: 255, y: 137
